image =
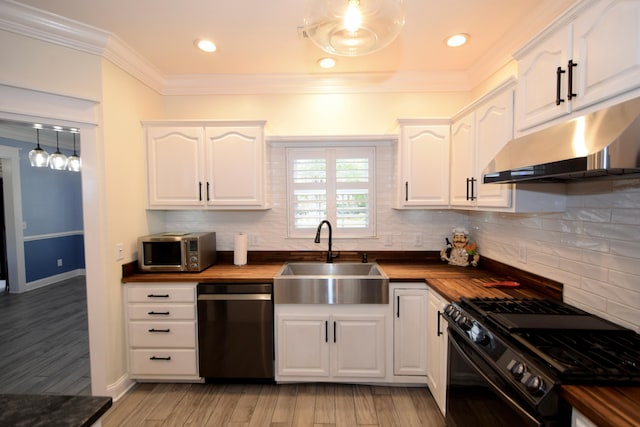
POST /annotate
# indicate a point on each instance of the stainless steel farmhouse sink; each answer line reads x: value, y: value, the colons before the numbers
x: 331, y: 283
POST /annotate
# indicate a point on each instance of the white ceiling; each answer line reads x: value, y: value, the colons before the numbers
x: 261, y: 37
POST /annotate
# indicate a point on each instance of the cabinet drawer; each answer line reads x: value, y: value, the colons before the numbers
x: 162, y: 334
x: 161, y: 294
x: 161, y: 311
x: 163, y: 362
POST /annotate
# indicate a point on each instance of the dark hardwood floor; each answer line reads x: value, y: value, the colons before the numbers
x: 235, y: 405
x: 44, y: 344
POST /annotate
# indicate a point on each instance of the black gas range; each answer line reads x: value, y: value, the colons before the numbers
x: 511, y: 355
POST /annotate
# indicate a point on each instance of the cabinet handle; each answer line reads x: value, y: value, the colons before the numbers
x: 160, y: 358
x: 334, y: 331
x: 200, y: 190
x: 467, y: 196
x: 326, y: 331
x: 472, y: 180
x: 559, y: 73
x: 406, y: 191
x: 154, y: 313
x: 160, y: 330
x: 570, y: 65
x: 208, y: 192
x: 398, y: 307
x: 439, y: 331
x: 158, y: 296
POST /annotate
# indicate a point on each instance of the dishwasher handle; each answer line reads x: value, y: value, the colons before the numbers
x: 234, y: 297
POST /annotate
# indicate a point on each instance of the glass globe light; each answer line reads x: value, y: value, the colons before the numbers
x: 58, y: 161
x: 38, y: 157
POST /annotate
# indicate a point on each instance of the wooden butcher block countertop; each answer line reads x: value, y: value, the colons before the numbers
x: 605, y: 406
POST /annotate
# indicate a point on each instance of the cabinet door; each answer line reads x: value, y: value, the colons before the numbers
x: 302, y: 345
x: 235, y: 164
x: 174, y: 167
x: 494, y: 128
x: 425, y: 166
x: 437, y: 343
x: 410, y: 332
x: 462, y: 164
x: 607, y: 51
x: 358, y: 347
x: 537, y: 80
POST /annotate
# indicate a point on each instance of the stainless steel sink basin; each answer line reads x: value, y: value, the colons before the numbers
x: 336, y: 283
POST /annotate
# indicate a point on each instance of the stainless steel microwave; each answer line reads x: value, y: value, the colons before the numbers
x: 176, y: 252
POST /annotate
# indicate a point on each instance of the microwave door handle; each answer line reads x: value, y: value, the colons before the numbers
x: 185, y: 255
x: 495, y: 387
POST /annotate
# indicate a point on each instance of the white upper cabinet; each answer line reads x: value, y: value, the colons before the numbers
x: 175, y: 166
x: 235, y: 160
x: 606, y: 46
x: 423, y: 159
x: 590, y: 54
x: 212, y: 165
x: 477, y: 136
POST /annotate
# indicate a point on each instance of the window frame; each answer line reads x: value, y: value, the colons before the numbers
x: 332, y: 152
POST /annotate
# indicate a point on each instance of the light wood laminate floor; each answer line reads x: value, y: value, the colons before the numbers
x: 44, y: 344
x: 235, y: 405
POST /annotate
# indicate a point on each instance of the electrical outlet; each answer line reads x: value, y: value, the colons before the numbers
x: 388, y: 240
x: 119, y: 252
x: 59, y: 262
x: 418, y: 240
x: 522, y: 253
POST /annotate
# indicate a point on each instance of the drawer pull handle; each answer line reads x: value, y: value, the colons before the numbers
x: 159, y: 330
x: 158, y: 296
x: 164, y: 313
x: 160, y: 358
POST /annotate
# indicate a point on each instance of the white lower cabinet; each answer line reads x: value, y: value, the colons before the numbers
x: 337, y: 343
x: 410, y: 330
x: 437, y: 343
x: 579, y: 420
x: 162, y: 331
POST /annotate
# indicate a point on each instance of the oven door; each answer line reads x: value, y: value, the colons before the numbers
x: 478, y: 396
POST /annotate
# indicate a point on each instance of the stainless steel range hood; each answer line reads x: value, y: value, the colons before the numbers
x: 605, y: 143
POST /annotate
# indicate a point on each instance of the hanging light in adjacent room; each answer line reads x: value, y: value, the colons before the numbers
x: 74, y: 164
x: 353, y: 27
x: 58, y: 161
x: 38, y: 157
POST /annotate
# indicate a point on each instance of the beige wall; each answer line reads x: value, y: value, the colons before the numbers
x: 37, y: 65
x: 318, y: 114
x: 125, y: 101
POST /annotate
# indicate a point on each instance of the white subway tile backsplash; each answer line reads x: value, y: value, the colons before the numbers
x: 593, y: 248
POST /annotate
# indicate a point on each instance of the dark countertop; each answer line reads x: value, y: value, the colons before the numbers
x: 32, y: 410
x: 602, y: 405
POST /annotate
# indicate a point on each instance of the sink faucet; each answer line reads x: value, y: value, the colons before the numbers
x: 330, y: 255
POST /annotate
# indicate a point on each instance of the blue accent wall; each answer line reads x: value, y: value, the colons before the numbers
x: 52, y: 213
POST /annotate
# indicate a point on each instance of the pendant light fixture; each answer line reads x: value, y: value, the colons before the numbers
x: 38, y: 157
x: 74, y: 164
x: 353, y: 27
x: 58, y: 161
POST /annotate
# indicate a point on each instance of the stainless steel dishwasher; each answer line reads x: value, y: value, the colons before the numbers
x: 235, y: 331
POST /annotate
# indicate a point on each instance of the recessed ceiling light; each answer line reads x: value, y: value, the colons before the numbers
x: 327, y: 62
x: 206, y: 45
x: 457, y: 40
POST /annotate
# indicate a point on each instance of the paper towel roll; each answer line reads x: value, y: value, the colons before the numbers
x: 240, y: 249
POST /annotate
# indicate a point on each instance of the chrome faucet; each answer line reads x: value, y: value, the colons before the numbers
x: 330, y: 255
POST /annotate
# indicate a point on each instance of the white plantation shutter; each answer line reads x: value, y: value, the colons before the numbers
x: 331, y: 183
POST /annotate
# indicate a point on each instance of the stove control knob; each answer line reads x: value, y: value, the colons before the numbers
x: 518, y: 370
x: 535, y: 385
x: 464, y: 323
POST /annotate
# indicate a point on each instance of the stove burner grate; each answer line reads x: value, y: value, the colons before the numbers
x: 612, y: 357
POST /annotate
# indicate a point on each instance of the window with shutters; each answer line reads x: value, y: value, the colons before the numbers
x: 334, y: 183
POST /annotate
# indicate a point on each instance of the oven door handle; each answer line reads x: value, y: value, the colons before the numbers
x: 494, y: 386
